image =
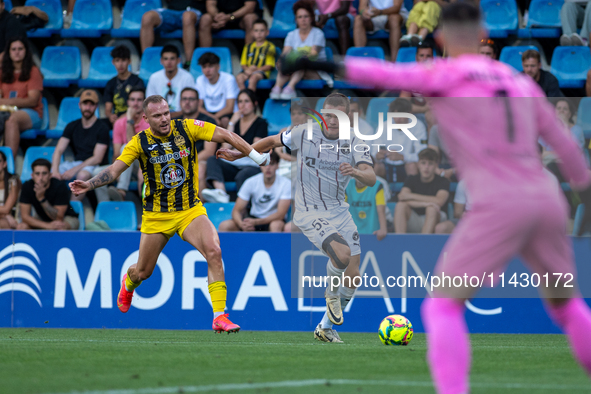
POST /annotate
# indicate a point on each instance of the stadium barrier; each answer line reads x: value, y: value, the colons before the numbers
x: 71, y: 280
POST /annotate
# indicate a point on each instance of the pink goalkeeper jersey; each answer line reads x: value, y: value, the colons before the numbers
x: 489, y: 118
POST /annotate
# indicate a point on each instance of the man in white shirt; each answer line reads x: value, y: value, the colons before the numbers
x: 218, y: 90
x: 269, y: 195
x: 170, y: 81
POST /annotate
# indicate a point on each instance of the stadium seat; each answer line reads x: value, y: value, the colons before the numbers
x: 8, y: 5
x: 230, y: 187
x: 69, y: 111
x: 375, y: 106
x: 277, y: 114
x: 408, y: 55
x: 150, y: 63
x: 217, y: 212
x: 222, y: 52
x: 53, y: 9
x: 584, y: 116
x: 9, y: 158
x: 578, y: 219
x: 32, y: 154
x: 91, y: 18
x: 500, y: 17
x: 101, y: 69
x: 283, y: 19
x: 512, y: 56
x: 543, y: 19
x: 119, y: 215
x: 79, y: 209
x: 60, y: 66
x: 31, y: 134
x: 131, y: 18
x: 570, y: 66
x: 375, y: 52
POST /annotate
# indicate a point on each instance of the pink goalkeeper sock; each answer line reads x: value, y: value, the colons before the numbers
x: 574, y: 318
x: 448, y: 345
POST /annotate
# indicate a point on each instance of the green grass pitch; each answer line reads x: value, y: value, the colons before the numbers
x: 145, y: 361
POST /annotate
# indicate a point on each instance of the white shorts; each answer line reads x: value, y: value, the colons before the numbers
x: 380, y: 22
x: 318, y: 227
x: 66, y: 165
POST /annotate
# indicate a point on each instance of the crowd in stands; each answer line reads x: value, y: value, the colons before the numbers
x: 418, y: 190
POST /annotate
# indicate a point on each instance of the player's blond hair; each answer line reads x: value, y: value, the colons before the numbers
x: 155, y: 99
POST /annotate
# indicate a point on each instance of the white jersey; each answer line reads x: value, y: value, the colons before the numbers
x: 320, y: 186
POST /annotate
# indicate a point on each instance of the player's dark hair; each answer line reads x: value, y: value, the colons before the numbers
x: 121, y: 52
x: 305, y: 5
x: 337, y: 100
x: 170, y: 49
x: 459, y: 13
x: 209, y: 58
x: 251, y: 95
x: 156, y: 99
x: 530, y: 54
x: 137, y: 89
x: 274, y: 157
x: 41, y: 162
x: 429, y: 154
x: 8, y: 65
x: 190, y: 89
x: 261, y: 21
x: 400, y: 105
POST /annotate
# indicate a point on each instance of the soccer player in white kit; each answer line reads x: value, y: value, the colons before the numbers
x: 325, y: 165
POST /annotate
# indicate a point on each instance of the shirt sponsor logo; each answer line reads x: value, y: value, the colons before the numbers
x: 172, y: 175
x: 166, y: 158
x: 199, y: 123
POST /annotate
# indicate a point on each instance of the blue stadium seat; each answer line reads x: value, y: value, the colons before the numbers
x: 31, y: 134
x: 222, y: 52
x: 276, y: 112
x: 283, y: 19
x: 150, y: 63
x: 217, y: 212
x: 91, y: 18
x: 9, y: 158
x: 512, y: 56
x: 500, y: 17
x: 578, y: 219
x: 375, y: 106
x: 230, y: 186
x: 60, y: 66
x: 32, y: 154
x: 570, y: 66
x: 79, y: 209
x: 408, y: 55
x: 69, y: 111
x: 119, y: 215
x: 375, y: 52
x: 584, y: 116
x: 131, y: 18
x: 101, y: 69
x: 543, y: 20
x: 8, y: 5
x: 53, y: 9
x: 320, y: 104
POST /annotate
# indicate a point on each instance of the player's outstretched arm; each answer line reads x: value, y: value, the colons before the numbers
x: 262, y: 145
x: 105, y: 177
x: 221, y: 135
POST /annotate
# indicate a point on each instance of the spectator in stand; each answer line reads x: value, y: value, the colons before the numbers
x: 297, y: 116
x: 217, y: 89
x: 444, y: 169
x: 258, y: 58
x: 419, y: 104
x: 377, y: 15
x: 10, y: 188
x: 88, y: 138
x: 118, y: 88
x: 532, y: 66
x: 488, y: 48
x: 461, y: 206
x: 205, y: 149
x: 123, y: 131
x: 420, y: 201
x: 392, y: 164
x: 228, y: 14
x: 251, y: 128
x: 169, y: 82
x: 10, y: 27
x: 343, y: 13
x: 180, y: 14
x: 367, y: 206
x: 21, y: 84
x: 269, y: 197
x: 50, y: 199
x: 422, y: 20
x: 572, y: 16
x: 307, y: 40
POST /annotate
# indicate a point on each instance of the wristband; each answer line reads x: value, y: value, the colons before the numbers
x: 258, y: 158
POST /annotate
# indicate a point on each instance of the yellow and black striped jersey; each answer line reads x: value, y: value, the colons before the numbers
x: 169, y: 164
x: 252, y: 55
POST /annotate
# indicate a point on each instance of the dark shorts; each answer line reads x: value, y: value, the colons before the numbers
x: 261, y: 227
x: 257, y: 72
x: 171, y: 20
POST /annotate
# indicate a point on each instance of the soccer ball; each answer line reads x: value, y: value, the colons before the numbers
x: 395, y: 330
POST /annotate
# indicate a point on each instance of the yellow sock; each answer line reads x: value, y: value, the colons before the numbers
x: 217, y: 292
x: 129, y: 285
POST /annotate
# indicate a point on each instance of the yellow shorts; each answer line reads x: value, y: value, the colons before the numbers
x: 168, y: 223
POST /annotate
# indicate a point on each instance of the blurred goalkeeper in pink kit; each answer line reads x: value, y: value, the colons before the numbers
x: 517, y: 209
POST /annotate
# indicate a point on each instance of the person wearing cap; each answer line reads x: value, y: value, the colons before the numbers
x: 89, y: 139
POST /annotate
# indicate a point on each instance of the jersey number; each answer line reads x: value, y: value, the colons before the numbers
x: 502, y: 94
